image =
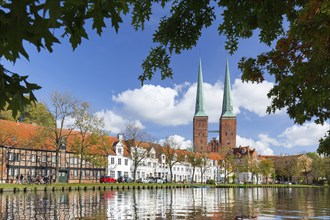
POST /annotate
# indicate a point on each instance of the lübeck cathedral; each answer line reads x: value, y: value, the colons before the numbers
x: 227, y: 120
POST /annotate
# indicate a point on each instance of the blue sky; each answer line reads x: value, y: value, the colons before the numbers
x: 104, y: 72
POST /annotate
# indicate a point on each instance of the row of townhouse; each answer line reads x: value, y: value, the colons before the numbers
x: 154, y: 163
x: 18, y: 158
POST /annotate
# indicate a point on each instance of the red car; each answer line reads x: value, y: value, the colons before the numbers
x: 107, y: 179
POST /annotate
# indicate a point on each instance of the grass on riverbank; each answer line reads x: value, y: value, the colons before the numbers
x: 131, y: 185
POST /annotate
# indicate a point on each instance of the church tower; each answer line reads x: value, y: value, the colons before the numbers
x: 200, y: 122
x: 227, y: 134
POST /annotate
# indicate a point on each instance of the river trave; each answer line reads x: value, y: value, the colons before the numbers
x: 181, y: 203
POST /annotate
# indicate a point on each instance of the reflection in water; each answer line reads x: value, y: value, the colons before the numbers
x: 184, y: 203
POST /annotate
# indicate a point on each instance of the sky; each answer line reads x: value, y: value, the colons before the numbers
x: 104, y: 72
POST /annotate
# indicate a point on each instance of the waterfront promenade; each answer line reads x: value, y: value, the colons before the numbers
x: 125, y: 186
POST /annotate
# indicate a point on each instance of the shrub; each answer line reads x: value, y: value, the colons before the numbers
x: 210, y: 182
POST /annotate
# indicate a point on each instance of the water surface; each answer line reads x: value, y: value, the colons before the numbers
x: 186, y: 203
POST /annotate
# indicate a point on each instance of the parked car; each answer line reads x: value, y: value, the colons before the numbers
x: 124, y: 179
x: 107, y: 179
x: 159, y: 180
x: 149, y: 180
x: 128, y: 179
x: 140, y: 180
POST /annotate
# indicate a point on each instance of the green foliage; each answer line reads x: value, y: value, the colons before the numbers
x: 34, y: 113
x: 37, y: 114
x: 299, y: 62
x: 211, y: 182
x: 15, y: 91
x: 324, y: 146
x: 267, y: 168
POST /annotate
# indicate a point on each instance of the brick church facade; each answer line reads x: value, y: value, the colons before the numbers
x: 227, y: 120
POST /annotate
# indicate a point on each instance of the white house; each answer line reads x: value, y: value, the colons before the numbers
x: 119, y: 161
x: 153, y: 163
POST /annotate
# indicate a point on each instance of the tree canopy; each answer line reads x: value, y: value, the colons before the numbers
x: 36, y: 113
x: 298, y: 31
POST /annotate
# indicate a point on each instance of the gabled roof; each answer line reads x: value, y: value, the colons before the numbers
x: 215, y: 156
x: 244, y: 152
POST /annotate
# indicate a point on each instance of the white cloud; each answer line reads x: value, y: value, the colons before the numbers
x: 296, y: 136
x: 170, y: 106
x: 262, y: 145
x: 306, y: 135
x: 68, y: 123
x: 157, y: 104
x: 176, y: 106
x: 251, y: 96
x: 114, y: 122
x: 179, y: 141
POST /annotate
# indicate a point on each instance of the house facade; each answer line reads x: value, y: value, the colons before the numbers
x: 153, y: 162
x: 37, y: 161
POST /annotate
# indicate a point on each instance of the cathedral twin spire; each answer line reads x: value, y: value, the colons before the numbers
x: 199, y: 109
x: 227, y: 106
x: 227, y: 122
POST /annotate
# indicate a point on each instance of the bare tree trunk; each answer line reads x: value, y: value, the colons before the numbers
x: 134, y: 173
x: 57, y: 167
x: 193, y: 175
x: 171, y: 173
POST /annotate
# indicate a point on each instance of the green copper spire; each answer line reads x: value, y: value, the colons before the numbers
x: 199, y: 109
x: 227, y: 106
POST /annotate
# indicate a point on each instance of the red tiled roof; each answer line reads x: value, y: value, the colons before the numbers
x: 22, y: 135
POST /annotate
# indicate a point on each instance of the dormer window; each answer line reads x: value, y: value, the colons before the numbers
x: 152, y: 155
x: 120, y: 151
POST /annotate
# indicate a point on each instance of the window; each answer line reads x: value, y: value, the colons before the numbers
x: 33, y: 158
x: 149, y: 164
x: 112, y: 160
x: 125, y: 174
x: 84, y: 162
x: 75, y: 172
x: 10, y: 172
x: 112, y: 174
x: 173, y: 168
x: 14, y: 157
x: 54, y: 159
x: 44, y: 158
x: 126, y: 162
x: 152, y: 155
x: 33, y: 172
x: 154, y: 165
x: 119, y: 161
x: 120, y: 151
x: 91, y: 173
x: 43, y: 172
x: 83, y: 172
x: 75, y: 160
